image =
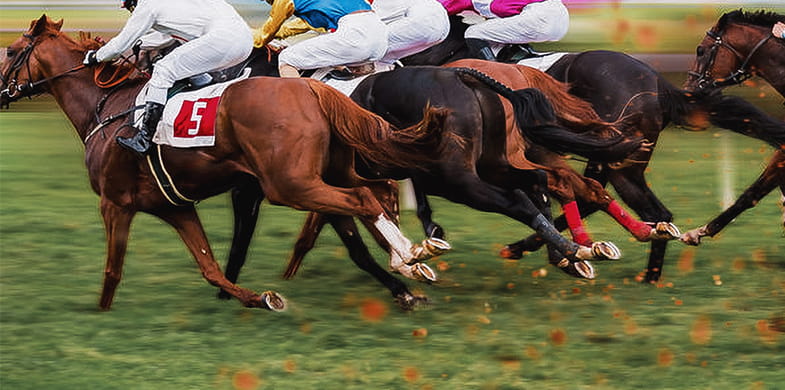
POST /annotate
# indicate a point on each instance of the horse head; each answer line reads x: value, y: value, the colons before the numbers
x: 40, y: 55
x: 726, y: 54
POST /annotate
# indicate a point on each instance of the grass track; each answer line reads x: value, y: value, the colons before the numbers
x: 492, y: 325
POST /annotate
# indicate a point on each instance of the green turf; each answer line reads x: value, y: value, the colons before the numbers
x: 492, y: 324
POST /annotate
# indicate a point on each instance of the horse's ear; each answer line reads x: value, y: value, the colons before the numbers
x: 37, y: 27
x: 58, y: 25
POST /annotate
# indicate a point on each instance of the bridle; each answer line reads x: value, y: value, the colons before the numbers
x: 705, y: 80
x: 14, y: 90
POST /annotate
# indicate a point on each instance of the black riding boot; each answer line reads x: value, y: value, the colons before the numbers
x: 479, y: 48
x: 143, y: 139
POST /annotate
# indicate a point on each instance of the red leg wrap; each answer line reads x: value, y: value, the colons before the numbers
x: 638, y: 229
x: 574, y: 222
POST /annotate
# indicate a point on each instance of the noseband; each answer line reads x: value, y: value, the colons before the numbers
x: 14, y: 90
x: 737, y: 76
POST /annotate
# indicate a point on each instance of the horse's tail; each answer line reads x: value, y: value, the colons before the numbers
x: 572, y: 112
x: 698, y: 110
x: 373, y: 137
x: 537, y: 123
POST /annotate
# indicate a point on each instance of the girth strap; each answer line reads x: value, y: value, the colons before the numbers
x: 163, y: 179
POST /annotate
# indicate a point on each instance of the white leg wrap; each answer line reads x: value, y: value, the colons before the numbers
x: 398, y: 242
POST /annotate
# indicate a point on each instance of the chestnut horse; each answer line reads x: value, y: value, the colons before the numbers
x: 615, y: 83
x: 740, y: 45
x: 295, y: 147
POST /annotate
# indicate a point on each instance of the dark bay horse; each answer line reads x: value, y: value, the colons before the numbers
x: 740, y: 45
x: 472, y: 166
x: 615, y: 83
x: 295, y: 147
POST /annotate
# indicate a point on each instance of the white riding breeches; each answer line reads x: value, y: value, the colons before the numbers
x: 360, y: 37
x: 217, y: 49
x: 538, y: 22
x: 425, y: 24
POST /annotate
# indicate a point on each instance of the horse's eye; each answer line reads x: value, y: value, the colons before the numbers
x: 9, y: 52
x: 699, y: 52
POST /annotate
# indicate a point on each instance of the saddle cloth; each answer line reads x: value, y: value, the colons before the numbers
x: 188, y: 119
x: 542, y: 63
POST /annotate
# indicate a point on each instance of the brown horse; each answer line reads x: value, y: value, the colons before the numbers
x: 295, y: 146
x: 740, y: 45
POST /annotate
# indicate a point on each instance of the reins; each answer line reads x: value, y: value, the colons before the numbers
x: 734, y: 77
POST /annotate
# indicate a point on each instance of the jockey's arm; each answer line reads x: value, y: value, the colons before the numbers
x: 281, y: 10
x: 140, y: 22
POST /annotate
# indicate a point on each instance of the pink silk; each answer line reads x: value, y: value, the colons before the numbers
x: 505, y: 8
x: 454, y: 7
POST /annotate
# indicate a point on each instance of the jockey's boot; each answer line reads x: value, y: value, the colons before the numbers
x: 143, y: 139
x: 479, y: 48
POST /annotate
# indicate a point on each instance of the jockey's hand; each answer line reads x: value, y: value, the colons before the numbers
x: 89, y: 58
x: 277, y: 45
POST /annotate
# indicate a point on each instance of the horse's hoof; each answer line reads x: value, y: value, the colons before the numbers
x: 408, y: 301
x: 419, y: 272
x: 424, y: 273
x: 509, y: 253
x: 665, y: 231
x: 578, y: 269
x: 273, y: 301
x: 605, y: 250
x: 429, y: 248
x: 691, y: 237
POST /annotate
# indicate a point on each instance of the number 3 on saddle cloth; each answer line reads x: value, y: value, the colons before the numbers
x: 188, y: 120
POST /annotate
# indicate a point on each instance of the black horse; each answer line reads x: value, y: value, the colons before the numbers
x: 613, y: 83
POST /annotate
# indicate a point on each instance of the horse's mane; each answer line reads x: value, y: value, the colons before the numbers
x: 757, y: 18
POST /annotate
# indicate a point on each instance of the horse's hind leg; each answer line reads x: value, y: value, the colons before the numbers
x: 245, y: 204
x: 305, y: 242
x: 186, y: 222
x: 117, y: 222
x: 347, y: 231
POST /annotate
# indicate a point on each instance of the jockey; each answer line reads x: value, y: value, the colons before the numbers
x: 511, y: 22
x: 415, y: 25
x: 357, y: 34
x: 213, y: 36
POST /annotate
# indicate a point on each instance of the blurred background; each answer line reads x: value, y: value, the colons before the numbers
x: 714, y: 321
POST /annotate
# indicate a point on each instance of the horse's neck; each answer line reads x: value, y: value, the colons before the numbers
x: 79, y: 98
x: 769, y: 60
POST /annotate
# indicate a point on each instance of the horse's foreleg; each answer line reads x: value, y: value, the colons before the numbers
x: 631, y: 187
x: 305, y: 242
x: 772, y: 177
x: 245, y: 204
x: 347, y: 231
x: 117, y: 222
x: 186, y: 222
x: 424, y: 213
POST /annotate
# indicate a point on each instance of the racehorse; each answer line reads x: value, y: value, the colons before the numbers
x: 295, y: 147
x: 740, y: 45
x: 615, y: 83
x: 469, y: 149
